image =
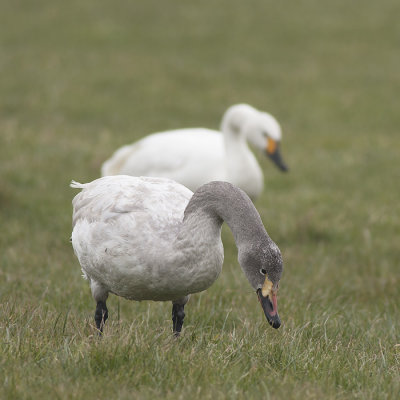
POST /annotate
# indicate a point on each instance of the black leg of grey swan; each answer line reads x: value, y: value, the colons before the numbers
x: 101, y: 315
x: 177, y: 318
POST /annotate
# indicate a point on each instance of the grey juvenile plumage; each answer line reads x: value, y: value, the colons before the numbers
x: 153, y: 239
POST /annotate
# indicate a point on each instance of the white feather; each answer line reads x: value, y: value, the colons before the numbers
x: 124, y: 229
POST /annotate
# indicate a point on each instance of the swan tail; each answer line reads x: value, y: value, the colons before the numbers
x: 114, y: 165
x: 77, y: 185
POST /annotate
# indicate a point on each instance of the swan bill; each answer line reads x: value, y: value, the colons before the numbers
x: 273, y: 152
x: 271, y: 146
x: 267, y: 287
x: 270, y: 308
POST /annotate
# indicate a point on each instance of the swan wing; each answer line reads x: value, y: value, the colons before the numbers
x: 107, y: 200
x: 123, y: 226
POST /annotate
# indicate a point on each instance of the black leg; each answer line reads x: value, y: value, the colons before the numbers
x: 177, y: 318
x: 101, y: 315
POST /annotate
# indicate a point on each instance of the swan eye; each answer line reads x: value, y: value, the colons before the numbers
x: 263, y: 271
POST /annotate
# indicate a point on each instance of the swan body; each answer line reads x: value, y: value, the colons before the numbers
x: 195, y: 156
x: 153, y: 239
x: 123, y: 230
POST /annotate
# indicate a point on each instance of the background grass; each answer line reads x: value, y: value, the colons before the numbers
x: 80, y: 78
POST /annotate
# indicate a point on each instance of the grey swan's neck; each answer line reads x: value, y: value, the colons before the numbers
x: 199, y: 238
x: 216, y: 202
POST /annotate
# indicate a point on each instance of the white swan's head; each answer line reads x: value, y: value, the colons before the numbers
x: 264, y: 132
x: 261, y: 129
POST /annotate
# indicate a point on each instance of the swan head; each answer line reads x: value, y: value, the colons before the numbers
x: 264, y: 132
x: 263, y: 267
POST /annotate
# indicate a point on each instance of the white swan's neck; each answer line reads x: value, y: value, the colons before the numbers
x: 235, y: 118
x: 241, y: 165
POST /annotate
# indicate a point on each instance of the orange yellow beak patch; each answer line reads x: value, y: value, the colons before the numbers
x: 271, y: 146
x: 267, y: 287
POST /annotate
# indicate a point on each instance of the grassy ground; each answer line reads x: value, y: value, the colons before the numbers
x: 80, y: 78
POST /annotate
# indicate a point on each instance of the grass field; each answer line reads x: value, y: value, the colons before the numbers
x: 80, y: 78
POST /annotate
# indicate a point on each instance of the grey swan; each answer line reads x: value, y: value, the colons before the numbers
x: 148, y: 238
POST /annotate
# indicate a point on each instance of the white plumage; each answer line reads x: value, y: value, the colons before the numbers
x: 123, y: 235
x: 195, y: 156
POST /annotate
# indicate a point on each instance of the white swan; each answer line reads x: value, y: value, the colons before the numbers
x: 153, y: 239
x: 196, y: 156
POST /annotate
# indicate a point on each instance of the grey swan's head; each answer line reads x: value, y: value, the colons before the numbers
x: 263, y: 267
x: 259, y: 257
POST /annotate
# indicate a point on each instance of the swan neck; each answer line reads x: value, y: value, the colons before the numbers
x: 234, y: 120
x: 216, y: 202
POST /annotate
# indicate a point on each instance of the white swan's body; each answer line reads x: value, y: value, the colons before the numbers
x: 153, y: 239
x: 191, y: 157
x: 195, y: 156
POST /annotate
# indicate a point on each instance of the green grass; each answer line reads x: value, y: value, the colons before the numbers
x: 79, y: 79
